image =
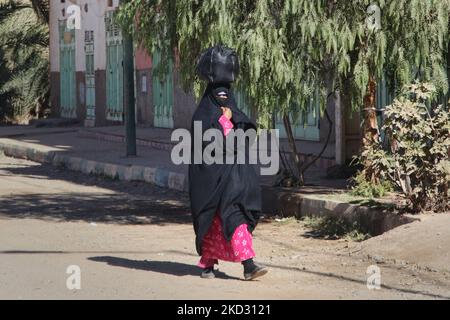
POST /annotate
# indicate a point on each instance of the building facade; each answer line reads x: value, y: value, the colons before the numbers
x: 86, y: 58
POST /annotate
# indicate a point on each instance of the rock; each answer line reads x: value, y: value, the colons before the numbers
x: 377, y: 258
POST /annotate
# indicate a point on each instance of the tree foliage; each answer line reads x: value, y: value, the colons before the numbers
x: 290, y: 48
x: 24, y: 57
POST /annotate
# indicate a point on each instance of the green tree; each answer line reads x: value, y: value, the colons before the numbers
x: 24, y: 57
x: 409, y: 44
x: 290, y: 48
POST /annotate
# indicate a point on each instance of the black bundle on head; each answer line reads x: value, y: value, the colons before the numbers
x: 218, y: 64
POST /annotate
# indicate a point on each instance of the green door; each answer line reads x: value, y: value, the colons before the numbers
x: 114, y: 69
x: 162, y: 95
x: 67, y: 71
x: 90, y: 76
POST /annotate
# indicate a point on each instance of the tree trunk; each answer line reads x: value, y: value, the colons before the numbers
x: 370, y: 133
x: 370, y: 127
x: 298, y: 163
x: 339, y: 120
x: 325, y: 145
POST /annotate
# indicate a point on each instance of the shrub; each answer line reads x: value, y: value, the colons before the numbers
x: 417, y: 160
x: 367, y: 189
x: 419, y: 135
x: 335, y: 228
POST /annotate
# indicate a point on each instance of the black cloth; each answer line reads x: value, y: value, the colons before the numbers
x: 233, y: 190
x: 218, y: 64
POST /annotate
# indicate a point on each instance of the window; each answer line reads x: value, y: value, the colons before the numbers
x: 144, y: 84
x: 306, y: 124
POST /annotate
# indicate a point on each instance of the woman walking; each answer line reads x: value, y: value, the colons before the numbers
x: 225, y: 198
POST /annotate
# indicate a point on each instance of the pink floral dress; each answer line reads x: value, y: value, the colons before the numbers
x: 215, y: 247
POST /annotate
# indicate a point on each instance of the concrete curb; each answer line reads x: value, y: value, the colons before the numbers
x: 36, y: 133
x: 370, y: 220
x: 158, y: 176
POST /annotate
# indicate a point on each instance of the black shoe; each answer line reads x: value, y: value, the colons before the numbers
x: 208, y: 273
x: 254, y: 272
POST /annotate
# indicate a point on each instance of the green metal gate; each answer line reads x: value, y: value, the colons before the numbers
x: 114, y: 69
x: 67, y: 71
x: 90, y: 75
x: 162, y: 95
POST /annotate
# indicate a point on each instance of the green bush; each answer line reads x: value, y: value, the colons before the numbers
x: 367, y: 189
x: 375, y: 164
x: 335, y: 228
x: 417, y: 161
x: 419, y: 134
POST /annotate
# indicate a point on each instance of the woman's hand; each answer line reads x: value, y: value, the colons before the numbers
x: 227, y: 112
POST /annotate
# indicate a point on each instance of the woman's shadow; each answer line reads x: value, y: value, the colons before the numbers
x: 167, y: 267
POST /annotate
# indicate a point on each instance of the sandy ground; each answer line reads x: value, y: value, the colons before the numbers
x: 135, y: 241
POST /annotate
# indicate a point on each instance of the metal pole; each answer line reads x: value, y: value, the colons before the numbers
x: 128, y: 70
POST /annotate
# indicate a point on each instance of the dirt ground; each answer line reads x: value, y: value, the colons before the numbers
x: 136, y: 241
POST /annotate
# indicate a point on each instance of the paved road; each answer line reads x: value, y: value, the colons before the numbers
x: 134, y: 240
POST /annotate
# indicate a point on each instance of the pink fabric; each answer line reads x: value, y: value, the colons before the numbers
x: 226, y: 124
x: 216, y: 247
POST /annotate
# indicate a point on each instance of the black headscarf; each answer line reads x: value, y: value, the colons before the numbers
x: 232, y: 190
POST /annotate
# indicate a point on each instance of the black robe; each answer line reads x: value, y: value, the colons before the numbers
x: 233, y: 190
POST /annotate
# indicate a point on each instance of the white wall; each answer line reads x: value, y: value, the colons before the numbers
x: 93, y: 19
